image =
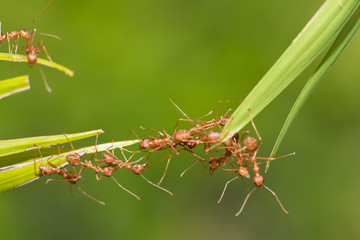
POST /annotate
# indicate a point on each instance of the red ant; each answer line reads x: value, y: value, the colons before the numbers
x: 115, y: 163
x: 71, y: 177
x: 30, y: 50
x: 75, y: 160
x: 23, y: 33
x: 252, y: 148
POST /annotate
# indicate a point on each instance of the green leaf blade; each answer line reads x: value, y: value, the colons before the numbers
x: 14, y: 85
x: 9, y: 147
x: 311, y: 41
x: 23, y: 58
x: 27, y: 171
x: 343, y: 39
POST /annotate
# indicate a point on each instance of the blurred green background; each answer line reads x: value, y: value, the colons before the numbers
x: 129, y: 57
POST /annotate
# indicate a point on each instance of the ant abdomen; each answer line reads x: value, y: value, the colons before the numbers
x: 182, y: 135
x: 73, y: 159
x: 250, y: 144
x: 213, y: 137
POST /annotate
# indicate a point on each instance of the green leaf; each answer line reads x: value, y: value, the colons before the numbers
x: 311, y: 41
x: 343, y: 39
x: 10, y: 147
x: 28, y: 170
x: 23, y: 58
x: 14, y: 85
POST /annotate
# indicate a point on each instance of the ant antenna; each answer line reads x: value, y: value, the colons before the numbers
x: 47, y: 6
x: 125, y: 189
x: 179, y: 109
x: 155, y: 185
x: 277, y: 198
x: 193, y: 164
x: 227, y: 183
x: 185, y: 113
x: 247, y: 197
x: 51, y: 35
x: 249, y: 194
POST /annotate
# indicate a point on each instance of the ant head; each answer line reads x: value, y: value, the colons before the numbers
x: 145, y: 144
x: 108, y: 158
x: 182, y: 135
x: 250, y: 144
x: 244, y: 172
x: 127, y: 166
x: 73, y: 179
x: 214, y: 164
x: 32, y: 57
x: 258, y: 180
x: 73, y: 159
x: 229, y: 142
x: 223, y: 120
x: 108, y: 171
x: 197, y: 127
x: 138, y: 168
x: 24, y: 34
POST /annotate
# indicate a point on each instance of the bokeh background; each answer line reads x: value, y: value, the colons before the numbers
x: 129, y: 57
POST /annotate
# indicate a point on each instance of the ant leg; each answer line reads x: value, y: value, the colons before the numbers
x: 155, y: 185
x: 273, y: 193
x: 15, y: 43
x: 47, y: 6
x: 160, y: 133
x: 257, y: 132
x: 47, y: 86
x: 95, y: 146
x: 167, y: 165
x: 89, y: 196
x: 132, y: 131
x: 182, y: 174
x: 43, y: 49
x: 247, y: 197
x: 201, y: 160
x: 8, y: 44
x: 246, y: 133
x: 52, y: 165
x: 74, y: 151
x: 224, y: 101
x: 133, y: 194
x: 223, y: 192
x: 273, y: 158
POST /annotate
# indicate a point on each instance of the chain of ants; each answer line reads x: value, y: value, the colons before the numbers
x: 237, y: 154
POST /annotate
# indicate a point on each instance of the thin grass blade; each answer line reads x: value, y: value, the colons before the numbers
x: 10, y: 147
x: 311, y: 41
x: 19, y: 174
x: 343, y: 39
x: 23, y: 58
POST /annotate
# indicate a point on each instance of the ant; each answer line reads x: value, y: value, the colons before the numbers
x: 113, y: 164
x: 137, y: 169
x: 23, y: 33
x: 75, y: 160
x: 250, y: 151
x: 29, y: 49
x: 71, y: 177
x: 165, y: 141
